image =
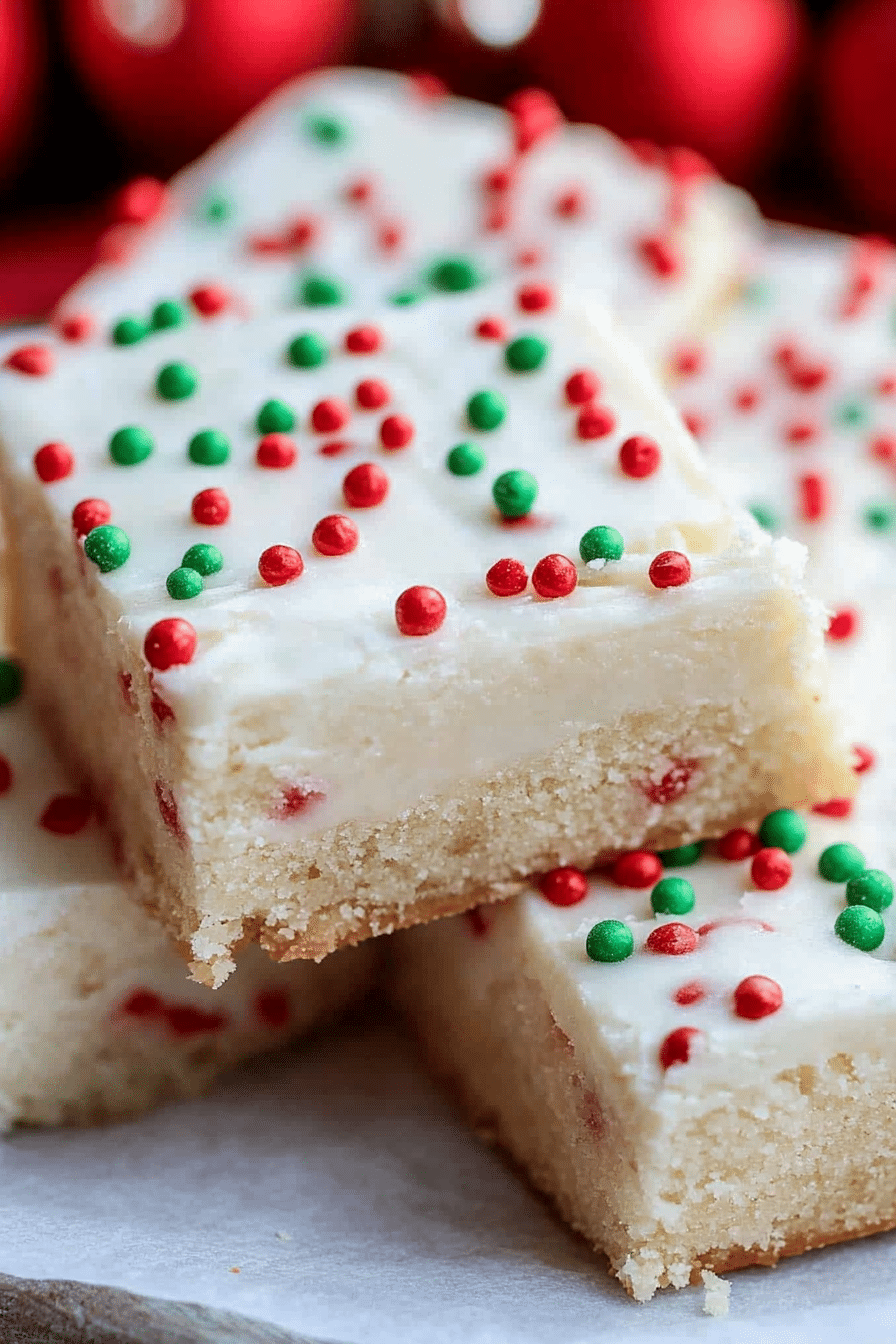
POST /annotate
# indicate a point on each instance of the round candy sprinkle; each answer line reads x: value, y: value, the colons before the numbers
x: 211, y: 508
x: 491, y: 329
x: 108, y: 547
x: 130, y: 445
x: 526, y: 354
x: 638, y: 869
x: 363, y: 340
x: 276, y: 451
x: 601, y: 543
x: 554, y: 576
x: 861, y: 927
x: 514, y: 493
x: 53, y: 462
x: 169, y: 643
x: 682, y: 856
x: 204, y: 559
x: 371, y: 394
x: 396, y: 432
x: 169, y: 313
x: 404, y: 298
x: 216, y: 208
x: 34, y: 361
x: 669, y: 569
x: 639, y: 457
x: 873, y: 888
x: 307, y: 351
x: 88, y: 514
x: 486, y: 410
x: 784, y: 829
x: 581, y: 387
x: 535, y: 298
x: 275, y: 417
x: 737, y: 844
x: 129, y: 330
x: 757, y: 996
x: 10, y: 681
x: 838, y: 863
x: 880, y: 517
x: 321, y: 291
x: 771, y: 869
x: 365, y: 486
x: 465, y: 459
x: 693, y: 992
x: 454, y: 275
x: 563, y: 886
x: 329, y: 415
x: 279, y: 565
x: 175, y: 382
x: 679, y: 1046
x: 209, y: 300
x: 420, y: 610
x: 335, y: 535
x: 595, y: 422
x: 507, y: 578
x: 764, y: 516
x: 329, y: 130
x: 76, y: 326
x: 209, y: 448
x: 609, y: 941
x: 672, y: 896
x: 672, y: 940
x: 184, y: 583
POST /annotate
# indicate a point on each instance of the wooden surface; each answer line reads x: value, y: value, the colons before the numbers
x: 54, y: 1311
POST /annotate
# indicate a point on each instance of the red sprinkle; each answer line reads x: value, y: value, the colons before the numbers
x: 528, y: 256
x: 757, y: 996
x: 660, y: 255
x: 168, y: 810
x: 507, y: 578
x: 139, y: 201
x: 335, y: 448
x: 535, y: 298
x: 491, y: 329
x: 420, y: 610
x: 814, y: 496
x: 279, y: 565
x: 798, y: 432
x: 143, y: 1003
x: 883, y: 447
x: 571, y: 204
x: 639, y: 456
x: 679, y: 1046
x: 53, y: 462
x: 5, y: 775
x: 169, y: 643
x: 669, y: 569
x: 302, y: 232
x: 738, y: 844
x: 807, y: 377
x: 563, y: 886
x: 161, y: 710
x: 365, y: 486
x: 554, y: 576
x: 535, y: 116
x: 66, y: 815
x: 672, y: 940
x: 690, y: 993
x: 863, y: 759
x: 843, y: 624
x: 497, y: 216
x: 595, y: 422
x: 771, y: 869
x: 499, y: 180
x: 360, y: 191
x: 211, y: 508
x: 886, y: 384
x: 835, y: 807
x: 276, y: 451
x: 208, y: 300
x: 185, y: 1020
x: 335, y: 535
x: 390, y: 236
x: 695, y: 423
x: 75, y: 327
x: 673, y: 784
x: 746, y: 398
x: 272, y: 1007
x: 371, y: 394
x: 295, y: 800
x: 688, y: 360
x: 581, y: 387
x: 330, y: 415
x: 34, y: 360
x: 637, y: 869
x: 396, y: 432
x: 90, y: 513
x: 363, y: 340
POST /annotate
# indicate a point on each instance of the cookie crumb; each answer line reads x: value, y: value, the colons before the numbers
x: 716, y: 1294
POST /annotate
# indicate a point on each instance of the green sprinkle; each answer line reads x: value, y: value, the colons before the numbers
x: 328, y: 129
x: 108, y: 547
x: 275, y: 417
x: 321, y: 291
x: 880, y: 517
x: 486, y: 410
x: 852, y: 414
x: 129, y: 330
x: 784, y: 829
x: 861, y: 927
x: 169, y: 313
x: 130, y: 445
x: 672, y: 896
x: 838, y: 863
x: 610, y: 940
x: 405, y: 297
x: 601, y: 543
x: 872, y: 888
x: 764, y: 516
x: 217, y: 208
x: 465, y: 459
x: 514, y: 492
x: 10, y: 681
x: 183, y: 584
x: 681, y: 857
x: 175, y: 382
x: 205, y: 559
x: 453, y: 275
x: 526, y: 354
x: 307, y: 351
x: 209, y: 448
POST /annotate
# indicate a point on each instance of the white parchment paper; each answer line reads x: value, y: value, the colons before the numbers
x: 357, y: 1208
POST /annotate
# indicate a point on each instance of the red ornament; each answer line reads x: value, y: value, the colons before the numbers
x: 363, y: 340
x: 507, y: 578
x: 329, y: 415
x: 757, y: 996
x: 53, y: 462
x: 669, y: 569
x: 639, y: 457
x: 90, y: 513
x: 554, y: 576
x: 491, y: 329
x: 335, y: 535
x: 535, y: 298
x: 66, y: 815
x: 210, y: 300
x: 581, y: 387
x: 672, y: 940
x: 276, y: 451
x: 679, y: 1046
x: 211, y: 508
x: 843, y: 624
x: 738, y: 844
x: 169, y: 643
x: 595, y: 422
x: 279, y: 565
x: 564, y: 886
x: 396, y: 432
x: 35, y: 361
x: 535, y: 116
x: 771, y: 869
x: 371, y: 394
x: 420, y: 610
x: 637, y: 869
x: 365, y: 486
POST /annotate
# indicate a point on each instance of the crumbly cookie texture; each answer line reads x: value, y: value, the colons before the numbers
x: 351, y: 185
x: 680, y: 1049
x: 473, y: 610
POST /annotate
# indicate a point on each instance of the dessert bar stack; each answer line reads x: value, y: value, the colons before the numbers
x: 364, y: 570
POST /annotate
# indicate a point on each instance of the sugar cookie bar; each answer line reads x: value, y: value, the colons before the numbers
x: 350, y: 186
